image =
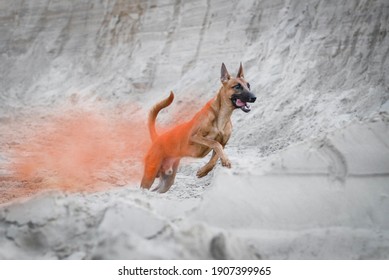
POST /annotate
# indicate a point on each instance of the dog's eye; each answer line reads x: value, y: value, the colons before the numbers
x: 238, y: 86
x: 248, y: 85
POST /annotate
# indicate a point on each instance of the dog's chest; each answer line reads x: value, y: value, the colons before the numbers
x: 220, y: 134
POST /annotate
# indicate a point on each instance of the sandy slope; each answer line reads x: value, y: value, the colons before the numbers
x: 313, y: 200
x: 310, y: 176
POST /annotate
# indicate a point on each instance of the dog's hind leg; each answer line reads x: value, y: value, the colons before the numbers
x: 148, y: 177
x: 162, y: 181
x: 209, y: 166
x: 153, y: 163
x: 167, y: 179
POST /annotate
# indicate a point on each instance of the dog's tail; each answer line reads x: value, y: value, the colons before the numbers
x: 154, y: 112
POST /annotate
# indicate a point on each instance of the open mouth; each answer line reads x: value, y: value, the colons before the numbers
x: 244, y: 106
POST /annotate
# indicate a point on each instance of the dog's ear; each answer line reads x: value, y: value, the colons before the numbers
x: 224, y: 74
x: 240, y: 72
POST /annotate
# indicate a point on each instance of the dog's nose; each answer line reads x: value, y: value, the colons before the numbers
x: 252, y: 99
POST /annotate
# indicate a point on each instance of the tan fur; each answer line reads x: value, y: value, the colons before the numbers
x: 210, y: 129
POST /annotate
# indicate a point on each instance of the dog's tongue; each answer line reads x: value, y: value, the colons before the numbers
x: 240, y: 103
x: 243, y: 105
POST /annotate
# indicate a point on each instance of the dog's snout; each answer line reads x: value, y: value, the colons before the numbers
x: 251, y: 97
x: 247, y: 96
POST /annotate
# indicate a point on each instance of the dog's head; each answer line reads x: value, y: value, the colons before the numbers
x: 237, y: 89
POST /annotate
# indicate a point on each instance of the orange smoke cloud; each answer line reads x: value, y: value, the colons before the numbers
x: 82, y: 151
x: 79, y: 150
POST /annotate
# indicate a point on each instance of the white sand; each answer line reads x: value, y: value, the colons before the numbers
x: 310, y: 175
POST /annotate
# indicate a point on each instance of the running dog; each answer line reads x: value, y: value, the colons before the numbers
x: 210, y: 129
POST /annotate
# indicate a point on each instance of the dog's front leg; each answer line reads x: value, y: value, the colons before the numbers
x: 216, y: 146
x: 209, y: 166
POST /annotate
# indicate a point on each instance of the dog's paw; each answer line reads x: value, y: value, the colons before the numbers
x: 226, y: 162
x: 202, y: 172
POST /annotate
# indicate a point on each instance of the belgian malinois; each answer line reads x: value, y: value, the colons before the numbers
x: 208, y: 130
